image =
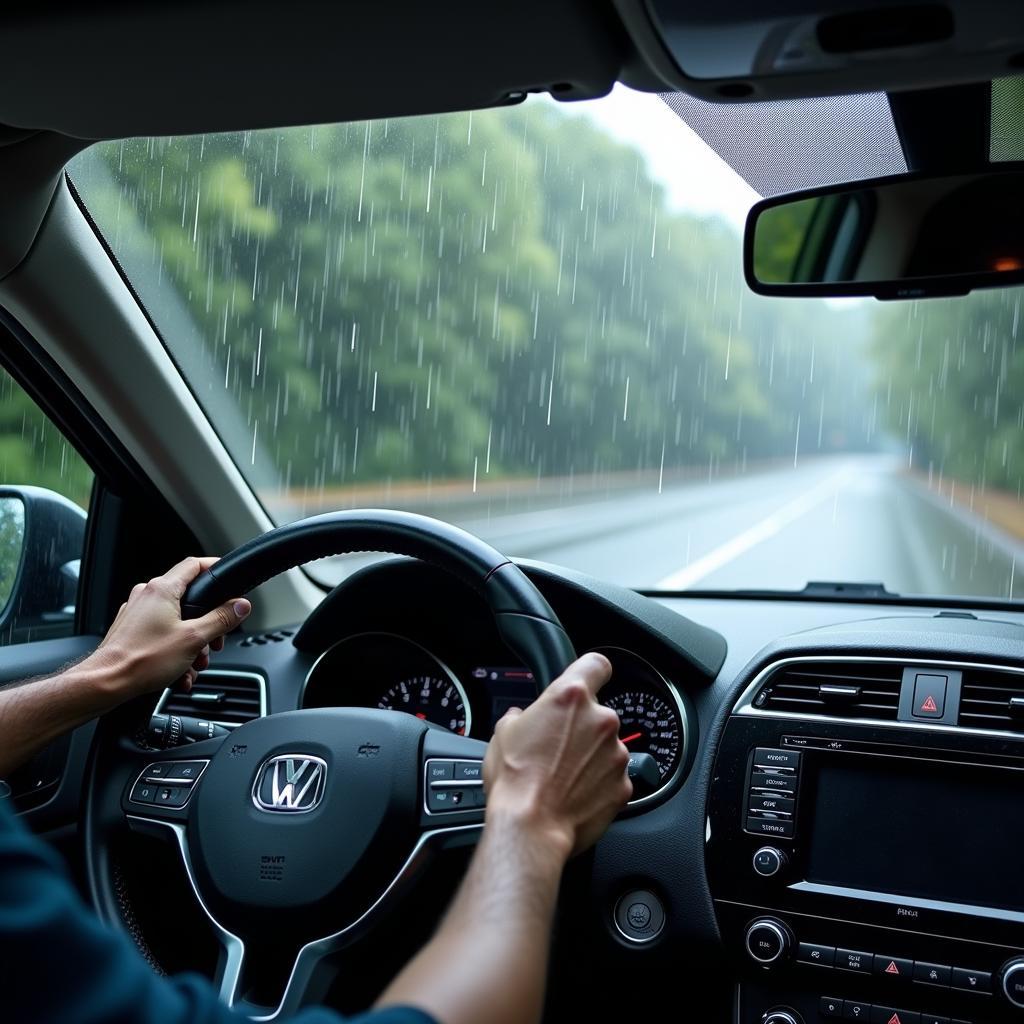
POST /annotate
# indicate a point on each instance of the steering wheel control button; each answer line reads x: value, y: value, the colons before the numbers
x: 818, y: 956
x: 856, y: 1011
x: 172, y: 796
x: 440, y: 771
x: 185, y: 771
x: 160, y: 770
x: 894, y: 968
x: 1013, y: 981
x: 767, y: 941
x: 444, y: 799
x: 932, y: 974
x: 768, y: 862
x: 453, y: 785
x: 853, y: 960
x: 639, y: 916
x: 830, y: 1007
x: 144, y: 793
x: 972, y: 981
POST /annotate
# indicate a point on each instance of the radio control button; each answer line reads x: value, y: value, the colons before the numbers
x: 768, y: 757
x: 856, y: 1011
x: 852, y: 960
x: 890, y: 1015
x: 770, y: 826
x: 772, y: 804
x: 829, y: 1007
x: 768, y: 861
x: 932, y: 974
x: 893, y: 967
x: 972, y: 981
x: 1013, y: 981
x: 820, y: 956
x: 780, y: 782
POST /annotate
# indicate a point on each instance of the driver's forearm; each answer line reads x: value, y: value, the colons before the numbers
x: 488, y: 961
x: 35, y: 712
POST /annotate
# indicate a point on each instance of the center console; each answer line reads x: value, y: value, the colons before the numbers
x: 865, y: 843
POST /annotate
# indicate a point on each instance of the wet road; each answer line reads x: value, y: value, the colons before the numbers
x: 851, y: 518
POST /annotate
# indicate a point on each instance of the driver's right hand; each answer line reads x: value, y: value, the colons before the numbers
x: 558, y: 769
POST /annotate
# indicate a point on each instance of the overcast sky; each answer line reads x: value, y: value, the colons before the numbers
x: 695, y: 177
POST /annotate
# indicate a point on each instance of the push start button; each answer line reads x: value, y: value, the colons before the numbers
x: 639, y: 916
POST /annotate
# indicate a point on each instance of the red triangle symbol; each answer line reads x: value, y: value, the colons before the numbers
x: 892, y: 968
x: 928, y: 705
x: 894, y: 1019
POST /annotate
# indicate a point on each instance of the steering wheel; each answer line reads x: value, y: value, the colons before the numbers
x: 301, y: 828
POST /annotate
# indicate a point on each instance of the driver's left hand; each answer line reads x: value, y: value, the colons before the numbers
x: 149, y: 645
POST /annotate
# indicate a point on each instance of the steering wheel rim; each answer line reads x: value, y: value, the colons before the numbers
x: 223, y: 801
x: 525, y: 620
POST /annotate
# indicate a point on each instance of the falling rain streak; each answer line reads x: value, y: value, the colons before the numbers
x: 506, y: 305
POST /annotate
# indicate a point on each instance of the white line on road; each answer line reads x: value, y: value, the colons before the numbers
x: 756, y: 534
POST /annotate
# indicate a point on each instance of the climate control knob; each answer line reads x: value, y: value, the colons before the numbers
x: 768, y: 941
x: 782, y: 1016
x: 1012, y: 979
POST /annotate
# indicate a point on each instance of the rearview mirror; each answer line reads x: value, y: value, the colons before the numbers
x: 904, y: 237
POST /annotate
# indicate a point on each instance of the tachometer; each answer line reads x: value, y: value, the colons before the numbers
x: 648, y: 725
x: 430, y: 697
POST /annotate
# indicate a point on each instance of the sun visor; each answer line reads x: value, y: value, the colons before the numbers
x: 785, y: 145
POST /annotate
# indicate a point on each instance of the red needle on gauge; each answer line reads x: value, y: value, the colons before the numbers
x: 632, y: 736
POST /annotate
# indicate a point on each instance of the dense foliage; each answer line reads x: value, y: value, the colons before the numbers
x: 506, y: 292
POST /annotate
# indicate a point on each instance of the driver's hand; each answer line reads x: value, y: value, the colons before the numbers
x: 558, y: 768
x: 149, y: 645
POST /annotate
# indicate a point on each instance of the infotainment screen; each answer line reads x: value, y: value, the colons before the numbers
x: 953, y: 833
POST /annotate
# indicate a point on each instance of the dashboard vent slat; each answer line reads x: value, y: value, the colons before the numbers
x: 990, y: 699
x: 227, y: 698
x: 834, y: 689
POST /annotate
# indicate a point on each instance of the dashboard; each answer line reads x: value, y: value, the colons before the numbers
x: 835, y: 828
x: 390, y: 671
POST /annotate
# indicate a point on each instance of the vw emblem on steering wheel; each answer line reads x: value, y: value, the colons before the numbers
x: 290, y: 783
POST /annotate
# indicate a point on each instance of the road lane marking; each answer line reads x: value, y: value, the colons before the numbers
x: 756, y: 534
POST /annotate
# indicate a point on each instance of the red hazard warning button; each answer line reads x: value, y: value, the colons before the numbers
x: 890, y: 1015
x: 893, y: 967
x: 929, y: 695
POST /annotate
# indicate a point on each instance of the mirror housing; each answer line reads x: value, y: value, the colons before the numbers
x: 904, y: 237
x: 44, y: 588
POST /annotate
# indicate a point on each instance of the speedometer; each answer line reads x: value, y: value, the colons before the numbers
x: 647, y: 725
x: 652, y: 713
x: 432, y: 698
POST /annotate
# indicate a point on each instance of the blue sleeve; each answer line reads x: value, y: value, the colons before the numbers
x: 60, y: 963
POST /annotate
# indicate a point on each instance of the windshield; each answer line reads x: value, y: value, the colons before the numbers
x: 532, y: 322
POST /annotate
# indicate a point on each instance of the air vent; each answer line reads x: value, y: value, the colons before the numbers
x: 259, y: 639
x: 991, y: 699
x: 844, y: 690
x: 227, y: 698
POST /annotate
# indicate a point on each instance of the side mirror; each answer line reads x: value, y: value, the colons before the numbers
x: 41, y: 539
x: 906, y: 237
